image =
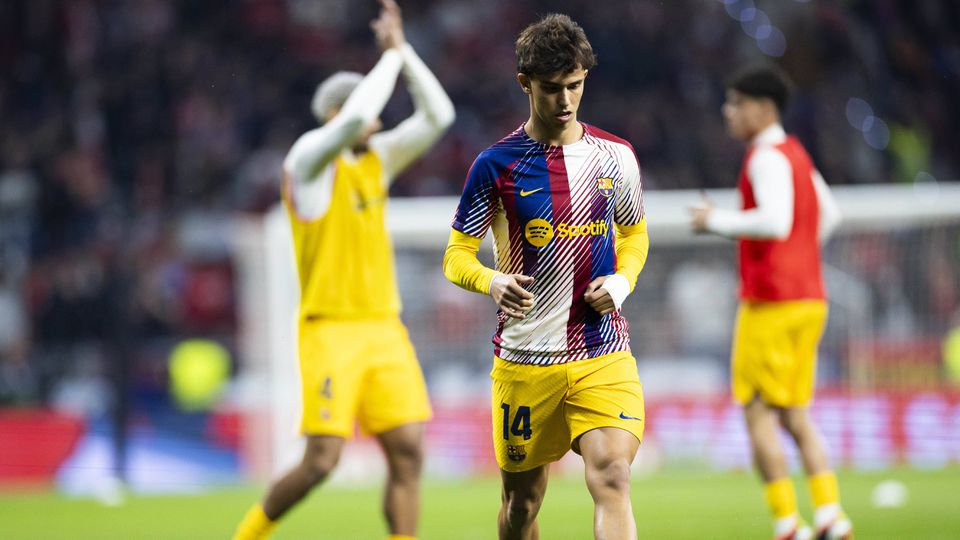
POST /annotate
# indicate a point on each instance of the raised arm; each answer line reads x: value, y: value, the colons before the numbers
x: 433, y: 114
x: 307, y: 165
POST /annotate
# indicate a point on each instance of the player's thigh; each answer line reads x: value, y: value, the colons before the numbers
x: 810, y: 319
x: 330, y: 377
x: 762, y: 361
x: 527, y: 413
x: 394, y: 391
x: 606, y: 393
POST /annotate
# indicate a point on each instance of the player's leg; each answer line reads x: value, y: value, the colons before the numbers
x: 607, y: 455
x: 319, y: 458
x: 605, y: 412
x: 393, y: 406
x: 403, y: 448
x: 761, y: 353
x: 331, y: 373
x: 529, y: 433
x: 829, y: 519
x: 763, y: 427
x: 521, y: 498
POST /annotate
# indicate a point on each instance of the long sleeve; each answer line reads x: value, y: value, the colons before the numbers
x: 770, y: 176
x: 461, y: 266
x: 433, y: 114
x: 307, y: 165
x: 829, y: 211
x: 632, y: 246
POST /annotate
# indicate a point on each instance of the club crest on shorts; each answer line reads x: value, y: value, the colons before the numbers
x: 605, y: 186
x: 516, y: 452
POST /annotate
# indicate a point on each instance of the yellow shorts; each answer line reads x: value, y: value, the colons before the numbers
x: 775, y: 351
x: 540, y: 411
x: 356, y: 371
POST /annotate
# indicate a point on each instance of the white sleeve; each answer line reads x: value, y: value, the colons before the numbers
x: 829, y: 210
x: 771, y: 178
x: 309, y: 160
x: 400, y: 146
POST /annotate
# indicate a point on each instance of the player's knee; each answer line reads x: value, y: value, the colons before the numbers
x: 522, y: 507
x: 609, y: 475
x: 406, y: 459
x: 319, y: 463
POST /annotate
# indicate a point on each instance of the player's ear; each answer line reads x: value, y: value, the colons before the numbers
x: 525, y: 82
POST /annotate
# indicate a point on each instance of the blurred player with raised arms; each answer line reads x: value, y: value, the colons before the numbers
x: 788, y: 212
x: 356, y: 361
x: 563, y: 199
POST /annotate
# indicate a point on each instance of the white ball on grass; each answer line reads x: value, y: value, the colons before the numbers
x: 890, y: 494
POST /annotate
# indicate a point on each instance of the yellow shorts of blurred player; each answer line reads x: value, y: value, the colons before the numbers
x: 540, y: 411
x: 775, y: 351
x: 359, y: 372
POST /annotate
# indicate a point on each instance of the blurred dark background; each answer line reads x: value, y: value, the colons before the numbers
x: 132, y: 130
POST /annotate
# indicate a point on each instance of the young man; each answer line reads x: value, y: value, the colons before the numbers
x: 356, y: 360
x: 564, y: 202
x: 788, y: 212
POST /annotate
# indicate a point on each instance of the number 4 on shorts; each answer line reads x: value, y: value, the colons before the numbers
x: 521, y: 422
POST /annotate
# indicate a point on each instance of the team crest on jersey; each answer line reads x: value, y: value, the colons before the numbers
x: 538, y: 232
x: 605, y: 186
x: 516, y: 452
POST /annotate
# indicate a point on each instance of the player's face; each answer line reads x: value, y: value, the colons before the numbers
x: 745, y: 115
x: 555, y: 98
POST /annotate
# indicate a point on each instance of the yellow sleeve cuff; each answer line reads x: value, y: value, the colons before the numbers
x: 461, y: 266
x: 632, y: 245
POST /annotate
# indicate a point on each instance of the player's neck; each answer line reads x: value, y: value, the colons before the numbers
x: 569, y: 134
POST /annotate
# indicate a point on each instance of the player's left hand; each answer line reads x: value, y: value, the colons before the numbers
x: 700, y: 214
x: 599, y: 298
x: 388, y: 26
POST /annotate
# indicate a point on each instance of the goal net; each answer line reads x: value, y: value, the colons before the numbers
x: 892, y: 273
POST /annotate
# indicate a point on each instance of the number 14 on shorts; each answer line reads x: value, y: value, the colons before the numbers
x: 520, y: 426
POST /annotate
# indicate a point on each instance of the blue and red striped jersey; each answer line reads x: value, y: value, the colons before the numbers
x: 552, y: 210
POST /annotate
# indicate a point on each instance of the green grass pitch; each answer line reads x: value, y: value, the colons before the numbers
x: 668, y: 505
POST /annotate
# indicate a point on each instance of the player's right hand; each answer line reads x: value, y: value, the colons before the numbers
x: 388, y: 26
x: 508, y: 292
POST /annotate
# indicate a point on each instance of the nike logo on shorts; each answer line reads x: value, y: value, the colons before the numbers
x: 625, y: 417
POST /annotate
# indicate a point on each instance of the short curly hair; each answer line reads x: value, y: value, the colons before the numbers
x: 554, y: 44
x: 765, y: 81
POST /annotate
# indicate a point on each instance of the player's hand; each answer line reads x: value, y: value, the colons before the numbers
x: 700, y: 214
x: 508, y: 292
x: 599, y: 298
x: 388, y: 26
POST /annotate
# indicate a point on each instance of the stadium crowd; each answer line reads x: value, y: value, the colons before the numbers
x: 133, y: 130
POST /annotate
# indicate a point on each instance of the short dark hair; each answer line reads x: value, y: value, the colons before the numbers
x: 553, y: 44
x: 764, y: 82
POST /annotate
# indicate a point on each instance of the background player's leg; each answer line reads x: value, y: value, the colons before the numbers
x: 403, y: 447
x: 521, y: 499
x: 764, y: 429
x: 797, y: 422
x: 763, y: 425
x: 319, y: 458
x: 828, y: 515
x: 607, y: 454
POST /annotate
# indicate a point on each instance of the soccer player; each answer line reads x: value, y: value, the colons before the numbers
x: 563, y: 199
x: 788, y: 212
x: 356, y: 360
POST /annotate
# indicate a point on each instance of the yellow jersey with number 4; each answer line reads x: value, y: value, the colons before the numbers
x: 345, y: 257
